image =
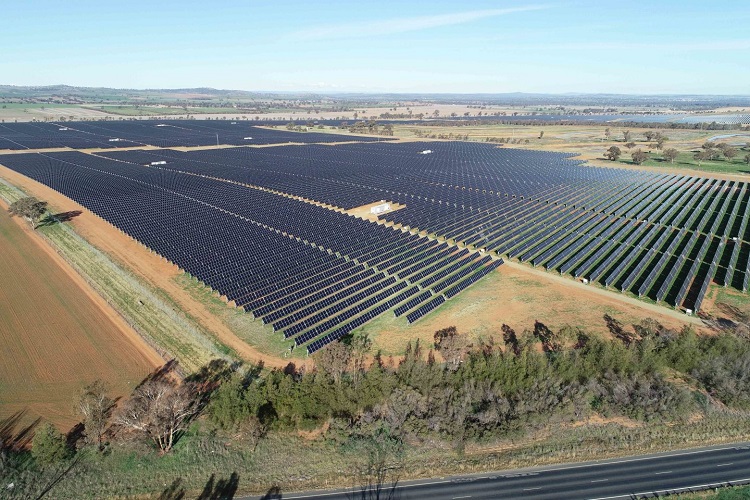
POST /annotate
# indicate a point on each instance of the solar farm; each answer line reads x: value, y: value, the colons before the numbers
x: 128, y: 134
x: 269, y: 229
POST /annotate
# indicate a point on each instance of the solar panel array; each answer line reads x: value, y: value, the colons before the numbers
x: 242, y: 221
x: 655, y: 235
x: 312, y: 273
x: 170, y: 133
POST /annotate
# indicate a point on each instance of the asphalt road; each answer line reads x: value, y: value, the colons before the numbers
x: 626, y: 478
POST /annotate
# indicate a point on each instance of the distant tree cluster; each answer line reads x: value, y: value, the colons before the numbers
x: 505, y: 140
x: 712, y: 151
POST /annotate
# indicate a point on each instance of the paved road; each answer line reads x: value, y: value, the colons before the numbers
x: 626, y: 478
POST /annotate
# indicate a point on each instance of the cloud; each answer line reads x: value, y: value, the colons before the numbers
x: 708, y: 45
x: 403, y: 24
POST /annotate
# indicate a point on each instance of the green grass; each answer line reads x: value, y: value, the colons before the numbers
x: 129, y: 110
x: 22, y: 105
x: 731, y: 493
x: 253, y: 332
x: 150, y: 311
x: 732, y: 297
x: 685, y: 160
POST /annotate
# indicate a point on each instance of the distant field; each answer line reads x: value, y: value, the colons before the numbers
x: 53, y: 337
x: 23, y: 105
x: 160, y: 111
x: 26, y: 112
x: 590, y: 141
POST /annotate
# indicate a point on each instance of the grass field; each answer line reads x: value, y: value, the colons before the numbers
x: 517, y: 297
x: 685, y: 160
x: 164, y: 110
x: 53, y: 338
x: 24, y: 105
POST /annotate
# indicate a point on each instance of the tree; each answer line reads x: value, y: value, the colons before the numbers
x: 702, y: 156
x: 747, y: 159
x: 649, y: 135
x: 48, y: 445
x: 95, y: 408
x: 730, y: 152
x: 451, y: 345
x: 607, y: 133
x: 613, y: 153
x: 160, y: 409
x: 546, y: 337
x: 639, y: 156
x: 630, y: 145
x: 379, y: 467
x: 361, y: 345
x: 660, y: 141
x: 670, y: 154
x: 511, y: 339
x: 626, y: 135
x: 29, y: 208
x: 541, y: 134
x: 708, y: 145
x: 228, y: 408
x: 335, y: 359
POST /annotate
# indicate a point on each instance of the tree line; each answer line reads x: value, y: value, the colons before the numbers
x: 709, y: 151
x: 453, y: 390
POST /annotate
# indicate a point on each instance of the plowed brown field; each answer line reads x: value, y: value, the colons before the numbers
x: 55, y: 336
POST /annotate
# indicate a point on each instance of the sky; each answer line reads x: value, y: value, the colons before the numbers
x: 427, y: 46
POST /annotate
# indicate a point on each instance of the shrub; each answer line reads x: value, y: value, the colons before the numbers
x: 48, y: 445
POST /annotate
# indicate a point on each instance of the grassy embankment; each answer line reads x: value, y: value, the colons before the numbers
x: 294, y: 462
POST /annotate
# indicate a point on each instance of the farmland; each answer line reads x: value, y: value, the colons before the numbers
x: 56, y: 334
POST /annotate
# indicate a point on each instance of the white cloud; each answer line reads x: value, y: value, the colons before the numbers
x: 403, y: 24
x: 709, y: 45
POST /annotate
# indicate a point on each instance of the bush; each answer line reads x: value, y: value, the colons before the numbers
x: 48, y: 445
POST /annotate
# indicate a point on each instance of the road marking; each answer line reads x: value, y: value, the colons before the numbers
x: 665, y: 472
x: 599, y: 480
x: 465, y: 496
x: 724, y: 465
x: 345, y: 491
x: 733, y: 482
x: 579, y: 466
x: 598, y: 463
x: 531, y: 489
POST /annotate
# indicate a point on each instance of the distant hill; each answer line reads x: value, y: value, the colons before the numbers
x: 67, y: 93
